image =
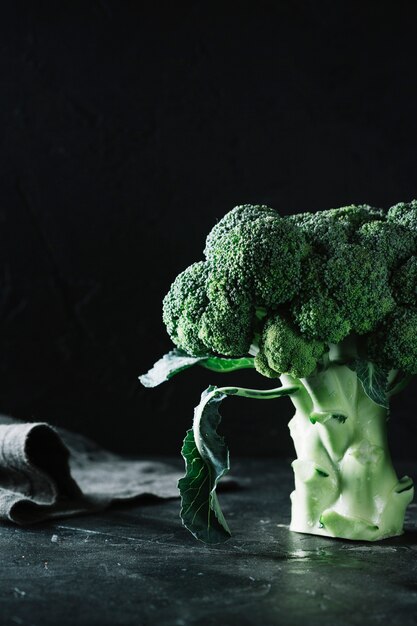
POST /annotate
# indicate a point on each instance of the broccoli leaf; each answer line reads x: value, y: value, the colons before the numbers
x: 374, y: 380
x: 222, y: 364
x: 170, y: 364
x: 207, y: 460
x: 176, y: 361
x: 200, y: 511
x: 399, y: 383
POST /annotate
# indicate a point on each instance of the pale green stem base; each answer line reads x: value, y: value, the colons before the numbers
x: 345, y: 484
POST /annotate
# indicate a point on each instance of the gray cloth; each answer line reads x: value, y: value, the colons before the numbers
x: 47, y: 472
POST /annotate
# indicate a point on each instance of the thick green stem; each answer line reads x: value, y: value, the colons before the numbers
x: 345, y: 484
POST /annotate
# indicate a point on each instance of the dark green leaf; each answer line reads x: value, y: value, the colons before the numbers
x: 207, y: 460
x: 177, y: 360
x: 399, y: 383
x: 374, y: 380
x: 205, y: 465
x: 221, y: 364
x: 169, y: 365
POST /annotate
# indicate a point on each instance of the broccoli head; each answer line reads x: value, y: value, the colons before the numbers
x: 318, y: 278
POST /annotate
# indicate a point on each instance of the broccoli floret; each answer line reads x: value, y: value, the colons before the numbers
x: 242, y: 214
x: 393, y: 241
x: 314, y: 310
x: 183, y: 307
x: 357, y: 278
x: 348, y: 292
x: 283, y: 350
x: 205, y: 314
x: 226, y: 326
x: 327, y: 230
x: 405, y: 214
x: 321, y: 317
x: 263, y: 256
x: 394, y: 345
x: 404, y: 283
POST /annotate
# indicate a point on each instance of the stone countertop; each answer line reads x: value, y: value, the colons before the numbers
x: 137, y: 565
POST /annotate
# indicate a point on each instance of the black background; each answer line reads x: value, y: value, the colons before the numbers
x: 125, y: 132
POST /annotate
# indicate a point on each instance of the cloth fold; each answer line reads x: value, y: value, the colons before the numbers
x: 48, y: 472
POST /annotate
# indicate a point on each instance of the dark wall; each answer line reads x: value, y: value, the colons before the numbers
x: 125, y: 133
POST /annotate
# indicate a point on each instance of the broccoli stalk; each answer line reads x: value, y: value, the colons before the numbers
x: 345, y: 483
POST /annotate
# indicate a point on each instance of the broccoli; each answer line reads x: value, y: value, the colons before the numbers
x: 325, y: 301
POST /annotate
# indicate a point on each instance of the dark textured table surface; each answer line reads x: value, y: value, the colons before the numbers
x: 137, y: 565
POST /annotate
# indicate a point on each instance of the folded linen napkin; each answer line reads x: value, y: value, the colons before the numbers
x: 48, y: 472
